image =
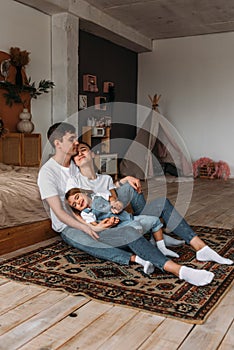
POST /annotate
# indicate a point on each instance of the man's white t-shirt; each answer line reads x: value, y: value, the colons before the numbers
x: 52, y: 181
x: 55, y: 180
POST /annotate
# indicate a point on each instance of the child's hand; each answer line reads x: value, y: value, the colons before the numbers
x: 106, y: 223
x: 116, y: 206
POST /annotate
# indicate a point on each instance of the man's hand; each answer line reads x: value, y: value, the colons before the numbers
x: 87, y: 229
x: 116, y: 206
x: 77, y: 223
x: 134, y: 182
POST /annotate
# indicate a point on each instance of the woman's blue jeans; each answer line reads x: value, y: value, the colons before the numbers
x: 160, y: 207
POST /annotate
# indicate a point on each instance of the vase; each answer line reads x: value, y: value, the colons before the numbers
x: 18, y: 76
x: 25, y: 125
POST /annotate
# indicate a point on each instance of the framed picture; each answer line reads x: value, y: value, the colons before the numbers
x: 100, y: 103
x: 90, y: 83
x: 83, y: 102
x: 107, y: 85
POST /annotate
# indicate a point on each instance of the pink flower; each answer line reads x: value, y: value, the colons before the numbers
x: 218, y: 169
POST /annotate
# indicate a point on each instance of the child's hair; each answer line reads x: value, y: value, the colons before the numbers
x: 58, y: 130
x: 72, y: 192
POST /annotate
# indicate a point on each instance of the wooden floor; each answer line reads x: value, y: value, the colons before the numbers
x: 32, y: 317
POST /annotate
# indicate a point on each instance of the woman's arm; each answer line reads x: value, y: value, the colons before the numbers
x: 113, y: 197
x: 116, y: 205
x: 133, y: 181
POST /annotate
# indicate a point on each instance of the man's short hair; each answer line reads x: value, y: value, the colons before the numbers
x: 58, y: 130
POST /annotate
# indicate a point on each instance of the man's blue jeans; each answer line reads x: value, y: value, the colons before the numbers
x: 112, y: 245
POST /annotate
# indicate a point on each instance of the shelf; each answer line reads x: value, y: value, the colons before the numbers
x: 98, y: 141
x: 107, y: 164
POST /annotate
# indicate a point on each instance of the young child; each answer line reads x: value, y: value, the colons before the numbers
x: 95, y: 207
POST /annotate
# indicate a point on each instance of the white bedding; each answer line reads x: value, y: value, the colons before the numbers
x: 20, y: 201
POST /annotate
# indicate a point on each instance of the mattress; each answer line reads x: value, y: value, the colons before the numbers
x: 20, y: 201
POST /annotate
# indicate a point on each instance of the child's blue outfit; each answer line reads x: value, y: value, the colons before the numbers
x: 101, y: 209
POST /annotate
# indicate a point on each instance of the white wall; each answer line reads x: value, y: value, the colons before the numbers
x: 195, y: 76
x: 29, y: 29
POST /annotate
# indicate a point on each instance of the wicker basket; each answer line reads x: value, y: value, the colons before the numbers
x: 206, y: 171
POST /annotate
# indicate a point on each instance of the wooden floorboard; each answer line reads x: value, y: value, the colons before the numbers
x: 37, y: 318
x: 210, y: 335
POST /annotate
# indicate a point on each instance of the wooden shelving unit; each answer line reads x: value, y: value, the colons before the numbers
x: 106, y: 162
x: 103, y: 141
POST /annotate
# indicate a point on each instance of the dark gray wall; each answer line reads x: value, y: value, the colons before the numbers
x: 109, y: 62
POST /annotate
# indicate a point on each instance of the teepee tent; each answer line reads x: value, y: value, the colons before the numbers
x: 157, y: 149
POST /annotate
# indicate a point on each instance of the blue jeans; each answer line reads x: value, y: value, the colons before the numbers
x: 112, y: 245
x: 160, y: 207
x: 127, y: 194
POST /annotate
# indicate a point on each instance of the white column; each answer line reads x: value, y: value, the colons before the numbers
x: 65, y: 43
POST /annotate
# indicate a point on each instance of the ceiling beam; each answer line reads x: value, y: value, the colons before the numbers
x: 95, y: 21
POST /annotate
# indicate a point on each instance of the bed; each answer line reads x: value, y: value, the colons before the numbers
x: 24, y: 220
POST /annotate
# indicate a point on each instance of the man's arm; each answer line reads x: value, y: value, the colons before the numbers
x: 55, y: 204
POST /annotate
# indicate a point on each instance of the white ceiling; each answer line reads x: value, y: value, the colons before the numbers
x: 161, y: 19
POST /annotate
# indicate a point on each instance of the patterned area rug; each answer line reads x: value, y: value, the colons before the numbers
x: 58, y: 266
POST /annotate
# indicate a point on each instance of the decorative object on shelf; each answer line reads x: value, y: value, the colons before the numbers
x: 91, y: 121
x: 100, y: 103
x: 25, y: 124
x: 98, y: 131
x: 107, y: 120
x: 19, y: 59
x: 111, y: 94
x: 4, y: 68
x: 18, y: 76
x: 103, y: 144
x: 107, y: 85
x: 14, y: 91
x: 207, y: 168
x: 83, y: 102
x: 90, y: 83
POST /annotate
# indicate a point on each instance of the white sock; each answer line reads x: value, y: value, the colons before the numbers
x: 148, y: 267
x: 161, y: 246
x: 208, y: 254
x: 196, y: 277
